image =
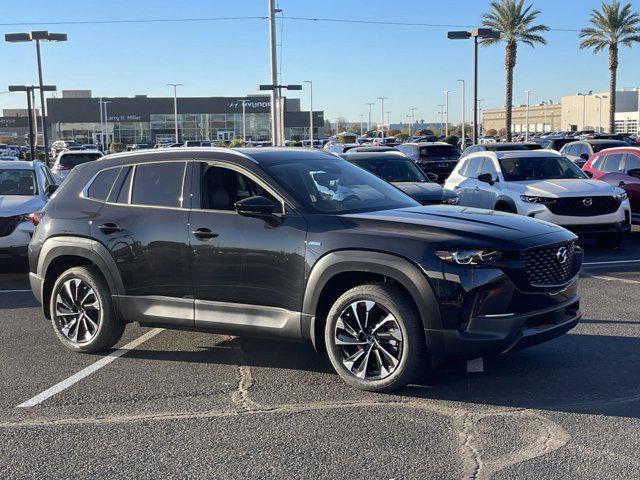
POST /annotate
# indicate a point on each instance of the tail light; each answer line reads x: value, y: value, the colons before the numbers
x: 36, y: 217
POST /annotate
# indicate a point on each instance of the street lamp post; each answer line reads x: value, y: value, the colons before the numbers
x: 441, y: 113
x: 412, y: 116
x: 479, y: 104
x: 476, y: 33
x: 310, y: 110
x: 463, y: 122
x: 276, y: 134
x: 446, y: 113
x: 361, y: 124
x: 105, y: 136
x: 382, y: 99
x: 526, y: 135
x: 175, y: 106
x: 600, y: 98
x: 584, y: 106
x: 244, y: 123
x: 369, y: 123
x: 388, y: 121
x: 38, y: 36
x: 28, y: 89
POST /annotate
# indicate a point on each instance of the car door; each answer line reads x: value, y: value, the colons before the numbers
x: 485, y: 193
x: 248, y: 272
x: 467, y: 189
x: 143, y: 225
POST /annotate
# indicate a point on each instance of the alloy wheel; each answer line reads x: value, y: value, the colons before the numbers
x: 77, y: 311
x: 369, y: 339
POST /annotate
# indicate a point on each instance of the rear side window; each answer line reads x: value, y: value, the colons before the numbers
x: 613, y: 163
x: 158, y: 184
x: 102, y: 184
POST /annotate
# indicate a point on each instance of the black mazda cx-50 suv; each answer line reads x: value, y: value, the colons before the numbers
x: 295, y: 244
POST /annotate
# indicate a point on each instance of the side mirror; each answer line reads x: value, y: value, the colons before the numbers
x: 584, y: 156
x: 486, y: 178
x: 634, y: 172
x: 51, y: 188
x: 588, y: 173
x: 257, y: 207
x: 432, y: 177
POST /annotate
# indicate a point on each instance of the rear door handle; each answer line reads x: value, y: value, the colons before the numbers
x: 204, y: 233
x: 109, y: 228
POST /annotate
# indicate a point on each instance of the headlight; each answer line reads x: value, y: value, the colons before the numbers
x: 620, y: 197
x: 467, y: 257
x: 532, y: 199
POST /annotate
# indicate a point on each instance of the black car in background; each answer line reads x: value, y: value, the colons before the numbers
x: 433, y: 157
x: 402, y: 172
x: 553, y: 143
x: 299, y: 244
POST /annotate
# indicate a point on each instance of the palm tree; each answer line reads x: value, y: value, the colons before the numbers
x: 612, y: 26
x: 514, y: 21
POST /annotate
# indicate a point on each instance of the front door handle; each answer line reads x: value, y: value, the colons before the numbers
x: 204, y: 233
x: 109, y: 228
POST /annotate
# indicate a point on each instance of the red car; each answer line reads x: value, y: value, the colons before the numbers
x: 619, y: 167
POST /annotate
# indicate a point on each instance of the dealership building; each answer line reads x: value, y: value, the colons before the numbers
x: 76, y: 115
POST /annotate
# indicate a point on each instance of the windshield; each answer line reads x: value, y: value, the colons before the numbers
x: 70, y: 161
x: 393, y: 169
x: 539, y: 168
x: 440, y: 151
x: 336, y: 186
x: 18, y: 182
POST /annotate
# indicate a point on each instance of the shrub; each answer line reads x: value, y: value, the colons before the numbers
x: 117, y: 147
x: 452, y: 140
x: 236, y: 142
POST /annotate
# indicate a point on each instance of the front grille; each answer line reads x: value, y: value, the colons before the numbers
x: 584, y: 206
x: 8, y: 225
x: 550, y: 265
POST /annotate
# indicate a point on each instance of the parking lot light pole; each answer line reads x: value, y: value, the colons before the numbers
x: 279, y: 88
x: 369, y: 124
x: 244, y: 123
x: 310, y: 110
x: 463, y: 144
x: 382, y: 99
x: 526, y: 135
x: 441, y: 113
x: 175, y: 106
x: 476, y: 33
x: 105, y: 137
x: 361, y: 124
x: 584, y: 106
x: 412, y: 116
x: 600, y: 98
x: 446, y: 112
x: 38, y: 36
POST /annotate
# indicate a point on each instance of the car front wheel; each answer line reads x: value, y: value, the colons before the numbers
x: 82, y: 311
x: 374, y: 338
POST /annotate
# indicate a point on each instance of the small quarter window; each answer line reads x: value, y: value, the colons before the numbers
x: 102, y: 184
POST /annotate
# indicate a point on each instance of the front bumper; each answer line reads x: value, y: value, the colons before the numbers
x: 501, y: 334
x: 612, y: 223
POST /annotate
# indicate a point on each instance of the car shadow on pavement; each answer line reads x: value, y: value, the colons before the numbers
x: 592, y: 374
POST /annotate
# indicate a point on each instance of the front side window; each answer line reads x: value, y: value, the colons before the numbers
x: 18, y: 182
x: 487, y: 167
x: 158, y: 184
x: 613, y: 163
x: 539, y: 168
x: 223, y: 187
x: 336, y: 186
x: 473, y: 167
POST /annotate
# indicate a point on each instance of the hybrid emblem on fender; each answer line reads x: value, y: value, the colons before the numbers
x: 561, y: 255
x: 587, y: 202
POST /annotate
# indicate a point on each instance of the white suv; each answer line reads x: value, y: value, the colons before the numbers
x: 545, y: 185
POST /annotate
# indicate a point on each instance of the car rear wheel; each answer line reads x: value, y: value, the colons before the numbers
x: 82, y: 311
x: 374, y: 338
x: 609, y: 241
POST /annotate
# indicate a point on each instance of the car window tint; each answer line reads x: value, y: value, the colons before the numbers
x: 613, y: 163
x: 223, y: 187
x: 158, y: 184
x: 474, y: 167
x: 487, y: 167
x: 102, y: 184
x: 631, y: 162
x: 120, y: 191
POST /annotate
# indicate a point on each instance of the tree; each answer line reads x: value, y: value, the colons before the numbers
x: 514, y: 21
x: 612, y: 26
x: 341, y: 124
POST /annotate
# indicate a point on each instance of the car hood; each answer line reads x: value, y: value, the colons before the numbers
x: 451, y: 225
x: 421, y: 190
x: 11, y: 205
x: 562, y: 187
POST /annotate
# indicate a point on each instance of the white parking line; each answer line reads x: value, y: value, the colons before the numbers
x: 612, y: 262
x: 14, y: 291
x: 614, y: 279
x: 475, y: 366
x: 85, y: 372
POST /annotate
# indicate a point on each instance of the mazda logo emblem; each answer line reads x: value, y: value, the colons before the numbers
x: 587, y: 202
x: 561, y: 255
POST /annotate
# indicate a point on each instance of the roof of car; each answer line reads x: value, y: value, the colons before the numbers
x: 390, y: 155
x: 622, y: 148
x: 598, y: 141
x: 429, y: 144
x: 16, y: 165
x: 525, y: 153
x: 79, y: 152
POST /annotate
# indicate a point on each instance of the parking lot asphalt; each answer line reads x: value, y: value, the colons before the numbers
x: 199, y: 405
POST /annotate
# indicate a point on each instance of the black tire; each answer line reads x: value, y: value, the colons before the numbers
x: 505, y: 207
x: 109, y: 327
x: 413, y: 353
x: 611, y: 242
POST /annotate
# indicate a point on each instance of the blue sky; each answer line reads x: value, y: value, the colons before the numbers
x: 350, y: 64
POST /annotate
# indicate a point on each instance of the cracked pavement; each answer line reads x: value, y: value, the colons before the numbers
x: 183, y: 405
